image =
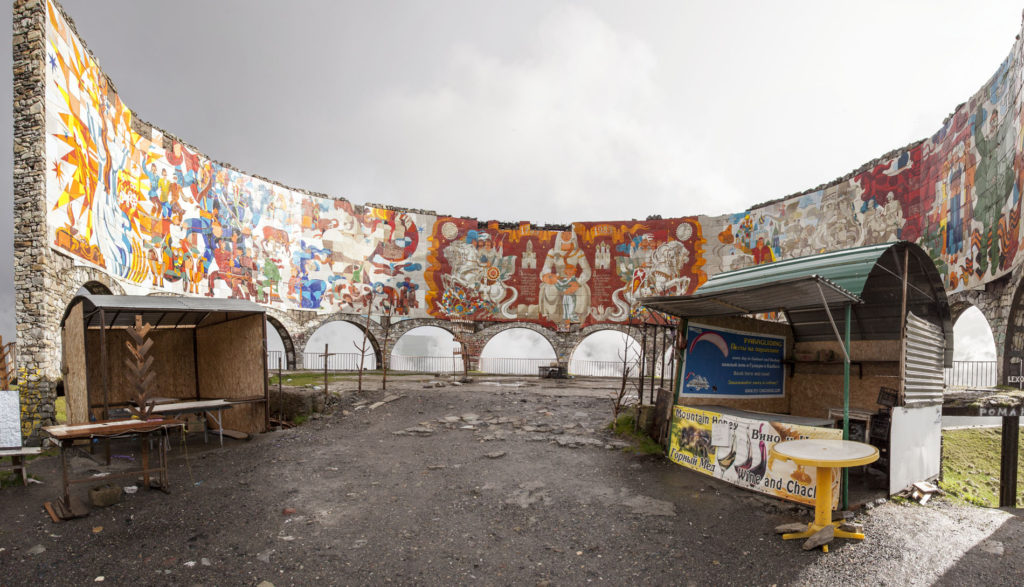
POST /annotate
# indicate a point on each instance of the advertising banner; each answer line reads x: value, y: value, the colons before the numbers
x: 730, y: 363
x: 737, y: 450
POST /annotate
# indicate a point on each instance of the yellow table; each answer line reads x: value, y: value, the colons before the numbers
x: 825, y: 455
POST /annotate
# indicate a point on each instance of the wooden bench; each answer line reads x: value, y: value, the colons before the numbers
x: 18, y: 463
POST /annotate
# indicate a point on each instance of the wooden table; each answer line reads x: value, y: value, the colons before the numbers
x: 825, y: 455
x: 211, y: 407
x: 67, y: 435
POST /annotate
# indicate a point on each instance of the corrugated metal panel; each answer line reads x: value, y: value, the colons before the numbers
x: 923, y: 384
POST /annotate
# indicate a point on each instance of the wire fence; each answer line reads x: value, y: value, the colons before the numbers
x: 972, y: 374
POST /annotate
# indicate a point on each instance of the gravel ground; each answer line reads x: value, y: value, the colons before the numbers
x: 494, y: 483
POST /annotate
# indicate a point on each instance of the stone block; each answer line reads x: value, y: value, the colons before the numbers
x: 104, y: 495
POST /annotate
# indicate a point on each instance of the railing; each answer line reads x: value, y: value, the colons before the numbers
x: 337, y: 361
x: 600, y: 368
x: 453, y: 364
x: 968, y: 374
x: 273, y: 357
x: 449, y: 364
x: 512, y: 366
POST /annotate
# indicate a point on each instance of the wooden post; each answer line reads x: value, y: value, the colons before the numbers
x: 280, y: 390
x: 326, y: 355
x: 1008, y: 462
x: 103, y: 365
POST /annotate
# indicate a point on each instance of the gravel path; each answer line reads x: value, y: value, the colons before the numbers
x: 483, y: 483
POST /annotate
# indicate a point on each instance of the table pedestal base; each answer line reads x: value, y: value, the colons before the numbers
x: 823, y: 513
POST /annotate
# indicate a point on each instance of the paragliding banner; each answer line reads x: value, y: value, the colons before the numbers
x: 730, y: 363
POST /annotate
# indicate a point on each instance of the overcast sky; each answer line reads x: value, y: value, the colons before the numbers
x: 539, y: 110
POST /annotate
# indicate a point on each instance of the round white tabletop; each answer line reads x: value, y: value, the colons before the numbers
x: 821, y: 452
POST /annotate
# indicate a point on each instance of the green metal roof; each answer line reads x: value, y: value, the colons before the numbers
x: 847, y: 269
x: 869, y: 278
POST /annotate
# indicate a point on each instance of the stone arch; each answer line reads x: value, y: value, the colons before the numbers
x: 96, y: 288
x: 286, y: 340
x: 485, y: 335
x: 93, y: 281
x: 459, y: 334
x: 374, y: 333
x: 1012, y: 346
x: 576, y: 338
x: 398, y: 329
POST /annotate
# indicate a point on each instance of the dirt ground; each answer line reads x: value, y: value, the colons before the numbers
x: 501, y: 482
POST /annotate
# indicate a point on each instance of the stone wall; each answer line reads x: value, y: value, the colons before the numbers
x: 35, y: 274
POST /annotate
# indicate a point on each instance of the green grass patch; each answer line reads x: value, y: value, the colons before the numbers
x: 301, y: 378
x: 624, y: 426
x: 11, y: 478
x: 60, y: 407
x: 970, y: 465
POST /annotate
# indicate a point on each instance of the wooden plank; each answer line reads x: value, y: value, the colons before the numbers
x: 76, y: 389
x: 53, y: 515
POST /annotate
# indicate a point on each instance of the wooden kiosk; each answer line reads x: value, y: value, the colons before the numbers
x: 854, y: 340
x: 202, y: 349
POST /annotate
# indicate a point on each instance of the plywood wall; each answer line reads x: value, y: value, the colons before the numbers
x: 174, y: 365
x: 76, y: 391
x: 817, y: 386
x: 231, y: 366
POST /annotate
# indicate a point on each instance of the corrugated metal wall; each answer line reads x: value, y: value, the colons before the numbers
x: 924, y: 367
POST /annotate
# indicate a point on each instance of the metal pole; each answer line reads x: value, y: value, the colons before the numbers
x: 280, y: 390
x: 680, y: 357
x: 325, y: 372
x: 846, y: 404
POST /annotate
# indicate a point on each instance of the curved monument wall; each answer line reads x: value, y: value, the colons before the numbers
x: 157, y: 216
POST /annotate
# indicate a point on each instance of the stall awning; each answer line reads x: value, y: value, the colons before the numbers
x: 159, y: 311
x: 870, y: 278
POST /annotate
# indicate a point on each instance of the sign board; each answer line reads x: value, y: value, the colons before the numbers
x: 745, y: 460
x: 729, y: 363
x: 10, y: 419
x: 1001, y: 411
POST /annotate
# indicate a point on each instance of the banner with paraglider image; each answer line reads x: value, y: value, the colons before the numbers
x: 728, y: 363
x: 742, y: 453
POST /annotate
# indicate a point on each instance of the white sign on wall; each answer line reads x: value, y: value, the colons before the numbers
x: 10, y: 419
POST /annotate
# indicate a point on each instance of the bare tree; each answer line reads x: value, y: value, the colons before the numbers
x: 363, y: 347
x: 386, y: 324
x: 630, y: 361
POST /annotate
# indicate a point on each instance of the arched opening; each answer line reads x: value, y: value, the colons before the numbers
x: 276, y: 355
x: 974, y: 363
x: 280, y: 348
x: 345, y: 345
x: 94, y: 288
x: 974, y: 352
x: 516, y: 351
x: 427, y: 349
x: 605, y: 353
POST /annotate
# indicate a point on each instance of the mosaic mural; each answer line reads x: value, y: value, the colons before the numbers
x: 157, y: 216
